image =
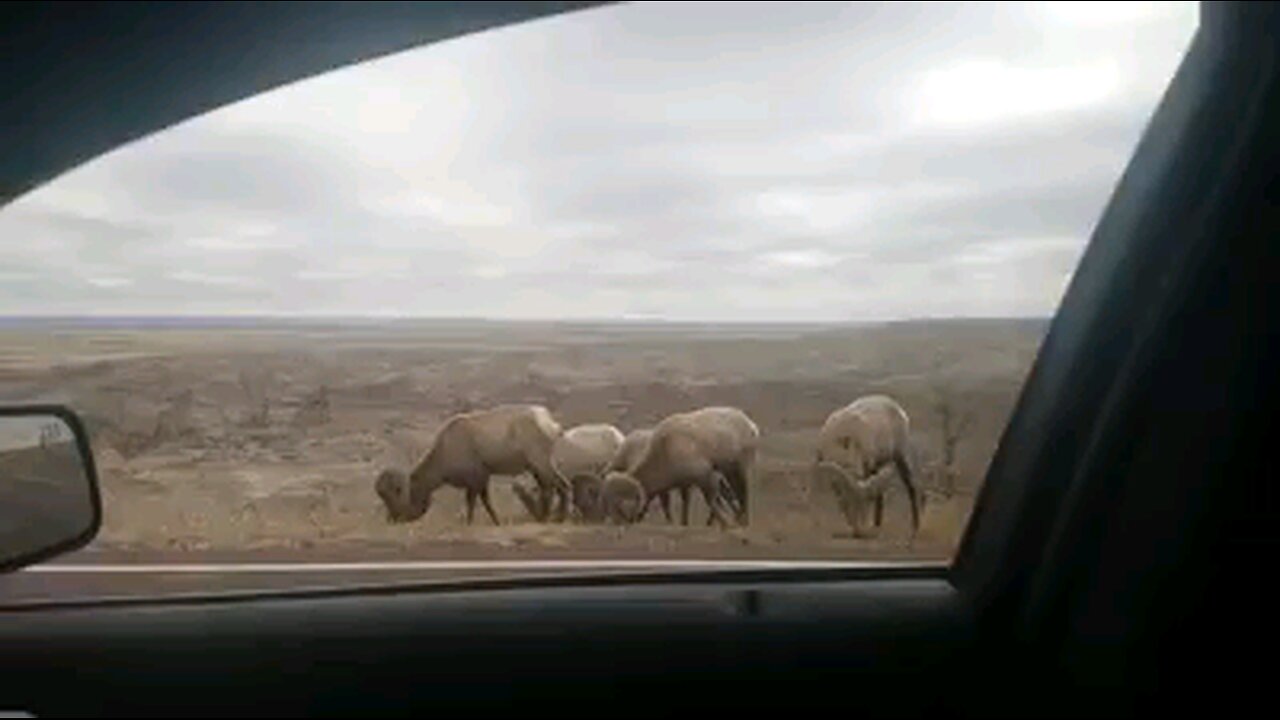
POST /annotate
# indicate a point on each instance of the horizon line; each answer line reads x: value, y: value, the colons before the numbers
x: 489, y: 319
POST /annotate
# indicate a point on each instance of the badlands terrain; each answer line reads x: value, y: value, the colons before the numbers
x: 259, y: 435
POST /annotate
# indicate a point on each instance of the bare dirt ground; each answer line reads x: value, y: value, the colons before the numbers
x: 267, y: 436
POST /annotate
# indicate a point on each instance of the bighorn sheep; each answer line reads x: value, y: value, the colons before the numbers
x: 856, y: 446
x: 505, y: 440
x: 713, y: 448
x: 637, y: 441
x: 582, y: 455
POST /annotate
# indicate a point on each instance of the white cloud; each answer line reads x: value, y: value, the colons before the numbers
x: 358, y: 266
x: 223, y: 243
x: 811, y: 209
x: 1002, y: 252
x: 1108, y: 12
x: 986, y: 91
x: 324, y: 275
x: 776, y: 161
x: 201, y: 278
x: 800, y: 258
x: 109, y: 282
x: 489, y: 272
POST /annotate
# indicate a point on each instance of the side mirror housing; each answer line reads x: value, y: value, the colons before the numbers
x: 49, y: 499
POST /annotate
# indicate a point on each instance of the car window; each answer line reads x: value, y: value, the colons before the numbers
x: 776, y: 268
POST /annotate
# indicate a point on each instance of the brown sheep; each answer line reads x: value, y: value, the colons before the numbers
x: 857, y: 447
x: 633, y: 447
x: 713, y: 448
x: 471, y: 447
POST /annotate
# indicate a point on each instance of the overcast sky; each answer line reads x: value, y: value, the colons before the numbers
x: 756, y: 162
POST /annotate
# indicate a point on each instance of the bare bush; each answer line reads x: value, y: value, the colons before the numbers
x: 954, y: 424
x: 114, y: 422
x: 174, y: 420
x: 129, y: 444
x: 314, y: 410
x: 256, y: 386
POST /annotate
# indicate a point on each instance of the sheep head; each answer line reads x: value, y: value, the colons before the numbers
x: 395, y: 490
x: 622, y: 498
x: 855, y: 493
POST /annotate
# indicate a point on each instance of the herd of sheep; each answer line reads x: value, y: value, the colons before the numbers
x: 595, y: 473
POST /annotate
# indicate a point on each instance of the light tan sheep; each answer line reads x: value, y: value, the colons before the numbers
x: 582, y: 455
x: 858, y: 447
x: 471, y: 447
x: 713, y: 448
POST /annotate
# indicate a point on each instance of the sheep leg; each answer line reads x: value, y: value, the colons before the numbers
x: 879, y: 509
x: 488, y: 506
x: 733, y: 489
x: 539, y: 500
x: 644, y: 507
x: 544, y: 503
x: 684, y: 505
x: 471, y: 504
x: 665, y: 499
x: 587, y: 498
x: 562, y: 503
x: 710, y: 486
x: 551, y: 483
x: 580, y: 501
x: 530, y: 499
x: 565, y: 494
x: 746, y: 469
x: 726, y: 494
x: 904, y: 474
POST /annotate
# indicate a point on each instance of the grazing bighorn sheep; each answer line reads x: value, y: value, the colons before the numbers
x: 582, y: 455
x: 506, y: 440
x: 632, y: 450
x: 713, y: 448
x: 856, y: 446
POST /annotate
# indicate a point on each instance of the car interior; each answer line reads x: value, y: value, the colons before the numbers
x: 1114, y: 564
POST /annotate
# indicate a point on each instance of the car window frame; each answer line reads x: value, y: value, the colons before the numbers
x: 992, y: 557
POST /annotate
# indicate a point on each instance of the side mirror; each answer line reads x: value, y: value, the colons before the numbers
x: 49, y: 502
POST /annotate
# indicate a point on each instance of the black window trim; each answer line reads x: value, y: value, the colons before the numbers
x: 1090, y: 339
